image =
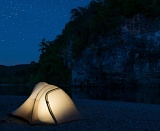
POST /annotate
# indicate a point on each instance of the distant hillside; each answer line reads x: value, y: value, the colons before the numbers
x: 18, y: 74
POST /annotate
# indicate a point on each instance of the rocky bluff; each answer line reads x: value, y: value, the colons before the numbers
x: 132, y: 56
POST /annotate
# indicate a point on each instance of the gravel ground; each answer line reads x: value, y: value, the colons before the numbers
x: 98, y: 116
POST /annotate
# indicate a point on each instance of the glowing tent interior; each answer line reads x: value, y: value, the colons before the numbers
x: 48, y: 104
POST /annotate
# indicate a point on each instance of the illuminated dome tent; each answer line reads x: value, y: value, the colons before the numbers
x: 48, y: 104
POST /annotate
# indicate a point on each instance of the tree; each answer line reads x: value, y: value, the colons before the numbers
x: 43, y: 45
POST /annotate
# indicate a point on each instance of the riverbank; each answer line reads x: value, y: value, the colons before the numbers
x: 98, y: 115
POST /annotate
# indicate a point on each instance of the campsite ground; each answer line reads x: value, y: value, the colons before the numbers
x: 98, y: 115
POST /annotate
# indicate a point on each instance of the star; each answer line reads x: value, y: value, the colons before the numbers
x: 25, y: 22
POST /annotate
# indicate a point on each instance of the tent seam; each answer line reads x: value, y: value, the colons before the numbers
x: 48, y: 105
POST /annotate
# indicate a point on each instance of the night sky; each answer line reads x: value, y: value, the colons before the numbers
x: 23, y: 24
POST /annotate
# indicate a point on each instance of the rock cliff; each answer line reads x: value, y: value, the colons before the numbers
x: 132, y: 56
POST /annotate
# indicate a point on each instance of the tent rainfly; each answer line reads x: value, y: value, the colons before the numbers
x: 48, y: 104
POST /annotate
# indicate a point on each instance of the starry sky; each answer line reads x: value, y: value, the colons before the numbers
x: 23, y: 24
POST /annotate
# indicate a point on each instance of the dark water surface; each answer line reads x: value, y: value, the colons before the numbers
x: 131, y: 93
x: 16, y: 89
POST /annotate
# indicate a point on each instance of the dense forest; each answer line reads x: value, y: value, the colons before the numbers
x: 100, y: 18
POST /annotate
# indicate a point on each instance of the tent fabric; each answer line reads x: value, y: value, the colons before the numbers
x: 48, y: 104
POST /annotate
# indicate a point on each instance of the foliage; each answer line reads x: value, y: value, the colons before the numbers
x: 129, y: 8
x: 18, y: 74
x: 51, y: 66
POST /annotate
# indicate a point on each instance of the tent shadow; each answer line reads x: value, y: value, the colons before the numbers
x: 20, y: 120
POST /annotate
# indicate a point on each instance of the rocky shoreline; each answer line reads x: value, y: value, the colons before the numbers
x: 98, y: 115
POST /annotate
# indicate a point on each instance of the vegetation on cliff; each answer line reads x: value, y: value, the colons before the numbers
x: 99, y: 18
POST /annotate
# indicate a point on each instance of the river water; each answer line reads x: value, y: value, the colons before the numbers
x: 16, y: 89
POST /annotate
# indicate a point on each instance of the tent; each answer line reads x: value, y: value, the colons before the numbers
x: 48, y: 104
